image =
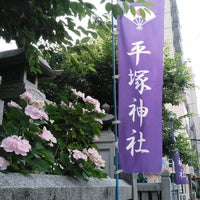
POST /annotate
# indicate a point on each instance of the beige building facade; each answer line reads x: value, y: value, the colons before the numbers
x: 189, y: 103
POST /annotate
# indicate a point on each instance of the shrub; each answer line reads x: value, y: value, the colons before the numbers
x: 45, y: 137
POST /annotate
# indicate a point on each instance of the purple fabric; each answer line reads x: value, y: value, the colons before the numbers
x: 140, y: 67
x: 180, y: 176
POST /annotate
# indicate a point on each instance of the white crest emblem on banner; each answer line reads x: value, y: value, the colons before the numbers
x: 137, y: 19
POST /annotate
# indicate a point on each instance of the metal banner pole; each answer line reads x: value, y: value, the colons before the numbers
x: 115, y: 111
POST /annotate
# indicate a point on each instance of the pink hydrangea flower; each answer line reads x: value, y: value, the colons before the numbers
x: 44, y: 115
x: 27, y: 96
x: 79, y: 155
x: 14, y: 105
x: 78, y: 94
x: 95, y: 102
x: 37, y: 103
x: 71, y: 105
x: 35, y: 113
x: 91, y: 100
x: 3, y: 163
x: 95, y: 157
x: 16, y: 144
x: 62, y: 103
x: 96, y: 138
x: 47, y: 135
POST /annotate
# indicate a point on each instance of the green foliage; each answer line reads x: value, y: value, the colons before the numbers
x: 89, y: 70
x: 75, y: 129
x: 18, y: 124
x: 118, y: 10
x: 48, y: 24
x: 177, y: 78
x: 184, y: 145
x: 30, y: 22
x: 60, y: 136
x: 198, y: 192
x: 187, y: 151
x: 141, y: 178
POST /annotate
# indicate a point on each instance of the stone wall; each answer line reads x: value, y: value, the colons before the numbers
x: 14, y: 186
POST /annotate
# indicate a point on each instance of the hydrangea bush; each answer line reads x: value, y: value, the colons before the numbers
x: 45, y: 137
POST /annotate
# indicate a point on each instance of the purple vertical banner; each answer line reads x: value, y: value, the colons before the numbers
x: 140, y: 67
x: 180, y: 176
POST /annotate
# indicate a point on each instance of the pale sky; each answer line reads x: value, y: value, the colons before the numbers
x: 5, y: 46
x: 190, y: 31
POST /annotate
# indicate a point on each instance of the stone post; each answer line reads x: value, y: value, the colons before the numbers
x: 166, y: 192
x: 106, y: 142
x: 1, y: 111
x: 134, y: 185
x: 131, y: 179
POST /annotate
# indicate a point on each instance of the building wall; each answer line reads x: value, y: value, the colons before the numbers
x: 189, y: 104
x: 168, y: 32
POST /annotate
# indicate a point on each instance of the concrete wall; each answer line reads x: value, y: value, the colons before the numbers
x: 14, y: 186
